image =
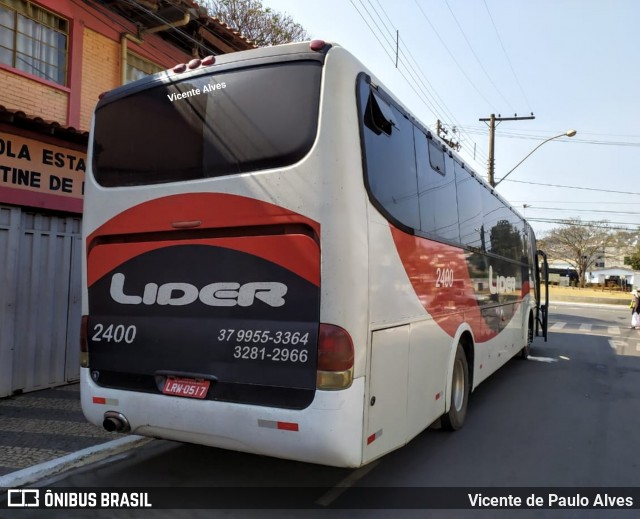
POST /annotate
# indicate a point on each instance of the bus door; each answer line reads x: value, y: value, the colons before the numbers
x: 542, y: 280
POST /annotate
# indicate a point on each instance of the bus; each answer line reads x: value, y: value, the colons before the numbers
x: 280, y: 259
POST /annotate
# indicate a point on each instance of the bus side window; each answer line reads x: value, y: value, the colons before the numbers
x: 390, y: 160
x: 378, y: 115
x: 436, y: 190
x: 502, y: 235
x: 436, y: 157
x: 469, y: 209
x: 517, y: 224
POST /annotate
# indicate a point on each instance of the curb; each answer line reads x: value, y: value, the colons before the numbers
x: 77, y: 459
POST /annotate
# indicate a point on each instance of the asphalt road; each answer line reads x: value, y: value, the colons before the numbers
x: 567, y: 417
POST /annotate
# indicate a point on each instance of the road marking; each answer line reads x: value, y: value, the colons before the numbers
x: 542, y: 359
x: 615, y: 344
x: 590, y: 329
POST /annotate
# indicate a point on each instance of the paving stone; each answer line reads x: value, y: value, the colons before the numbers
x: 44, y: 425
x: 40, y: 402
x: 22, y: 457
x: 53, y: 427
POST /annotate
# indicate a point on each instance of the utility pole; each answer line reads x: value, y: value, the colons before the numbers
x: 492, y: 133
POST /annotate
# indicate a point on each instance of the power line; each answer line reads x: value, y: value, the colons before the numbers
x: 88, y: 6
x: 593, y: 211
x: 524, y: 132
x: 437, y: 100
x: 598, y: 225
x: 163, y: 21
x: 421, y: 94
x: 389, y: 31
x: 574, y: 187
x: 590, y: 211
x: 451, y: 55
x: 569, y: 202
x: 513, y: 135
x: 477, y: 58
x: 507, y: 56
x: 432, y: 100
x: 371, y: 29
x: 410, y: 69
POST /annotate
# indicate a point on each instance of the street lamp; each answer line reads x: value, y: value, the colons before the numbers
x: 569, y: 133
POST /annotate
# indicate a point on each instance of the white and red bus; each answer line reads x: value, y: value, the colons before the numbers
x: 280, y: 259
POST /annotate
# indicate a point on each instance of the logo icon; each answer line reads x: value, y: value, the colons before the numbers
x: 214, y: 294
x: 19, y: 498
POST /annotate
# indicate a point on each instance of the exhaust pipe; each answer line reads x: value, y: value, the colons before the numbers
x: 115, y: 422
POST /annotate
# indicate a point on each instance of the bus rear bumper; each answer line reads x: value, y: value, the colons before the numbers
x: 328, y: 432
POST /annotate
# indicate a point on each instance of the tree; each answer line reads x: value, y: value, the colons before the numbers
x: 260, y: 24
x: 578, y: 243
x: 628, y: 244
x: 634, y: 260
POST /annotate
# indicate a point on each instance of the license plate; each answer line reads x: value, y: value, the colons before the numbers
x: 187, y: 387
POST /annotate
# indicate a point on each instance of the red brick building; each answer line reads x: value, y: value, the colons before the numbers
x: 56, y: 57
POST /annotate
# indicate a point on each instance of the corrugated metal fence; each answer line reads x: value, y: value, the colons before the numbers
x: 40, y: 274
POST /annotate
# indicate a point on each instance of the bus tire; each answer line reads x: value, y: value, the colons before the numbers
x: 526, y: 350
x: 454, y: 418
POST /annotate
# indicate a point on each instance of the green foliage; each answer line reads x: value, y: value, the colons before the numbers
x: 262, y: 25
x: 634, y: 260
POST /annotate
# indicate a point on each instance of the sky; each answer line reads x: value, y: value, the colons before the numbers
x: 574, y: 64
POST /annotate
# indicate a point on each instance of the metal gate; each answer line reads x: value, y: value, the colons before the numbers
x: 40, y: 273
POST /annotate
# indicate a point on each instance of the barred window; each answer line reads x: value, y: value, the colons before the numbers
x: 33, y: 40
x: 138, y: 67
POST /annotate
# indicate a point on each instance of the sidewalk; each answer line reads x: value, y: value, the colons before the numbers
x: 43, y: 426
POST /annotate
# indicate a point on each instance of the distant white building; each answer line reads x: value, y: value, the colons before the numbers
x: 620, y: 275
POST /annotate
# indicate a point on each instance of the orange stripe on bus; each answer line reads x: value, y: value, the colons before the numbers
x: 288, y: 426
x: 374, y: 437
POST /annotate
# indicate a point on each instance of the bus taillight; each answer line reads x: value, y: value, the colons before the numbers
x: 335, y: 358
x: 84, y: 341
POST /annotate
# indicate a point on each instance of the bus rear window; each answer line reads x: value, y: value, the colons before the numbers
x: 220, y: 124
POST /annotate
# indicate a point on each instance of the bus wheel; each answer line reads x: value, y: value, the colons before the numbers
x: 454, y: 419
x: 526, y: 350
